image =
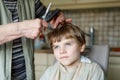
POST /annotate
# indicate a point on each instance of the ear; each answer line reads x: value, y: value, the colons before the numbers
x: 82, y: 48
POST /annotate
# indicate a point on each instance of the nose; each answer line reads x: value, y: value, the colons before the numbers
x: 62, y: 50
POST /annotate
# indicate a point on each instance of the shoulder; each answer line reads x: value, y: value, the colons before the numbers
x: 49, y: 71
x: 93, y: 70
x: 54, y: 66
x: 89, y: 64
x: 92, y: 66
x: 96, y: 67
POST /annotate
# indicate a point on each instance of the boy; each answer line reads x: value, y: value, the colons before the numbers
x: 68, y: 42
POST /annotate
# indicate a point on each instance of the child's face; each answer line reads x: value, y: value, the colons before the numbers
x: 67, y: 51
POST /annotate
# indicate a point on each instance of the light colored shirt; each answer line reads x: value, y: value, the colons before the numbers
x: 84, y: 71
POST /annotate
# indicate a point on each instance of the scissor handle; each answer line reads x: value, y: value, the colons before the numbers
x: 52, y: 14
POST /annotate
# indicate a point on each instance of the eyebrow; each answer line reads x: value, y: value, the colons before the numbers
x: 66, y: 41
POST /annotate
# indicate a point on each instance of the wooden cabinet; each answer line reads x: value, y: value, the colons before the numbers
x: 42, y: 62
x: 95, y: 1
x: 62, y: 4
x: 59, y: 2
x: 82, y: 4
x: 114, y: 68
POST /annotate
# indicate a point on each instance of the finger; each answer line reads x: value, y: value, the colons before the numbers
x: 56, y: 24
x: 60, y: 20
x: 68, y: 20
x: 44, y: 23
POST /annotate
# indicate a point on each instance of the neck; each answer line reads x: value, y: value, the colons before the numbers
x: 73, y: 65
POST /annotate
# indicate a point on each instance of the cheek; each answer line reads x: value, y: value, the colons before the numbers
x: 56, y: 54
x: 55, y: 51
x: 75, y: 51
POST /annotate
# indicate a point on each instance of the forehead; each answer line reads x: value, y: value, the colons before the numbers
x: 62, y: 38
x: 65, y: 40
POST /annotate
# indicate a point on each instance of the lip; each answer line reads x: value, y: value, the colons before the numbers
x: 64, y: 57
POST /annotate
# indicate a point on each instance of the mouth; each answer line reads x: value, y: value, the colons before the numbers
x: 64, y: 57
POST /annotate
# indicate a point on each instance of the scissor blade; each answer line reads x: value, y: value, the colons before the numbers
x: 47, y: 10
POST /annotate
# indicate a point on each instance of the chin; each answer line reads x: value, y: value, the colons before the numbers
x: 66, y: 64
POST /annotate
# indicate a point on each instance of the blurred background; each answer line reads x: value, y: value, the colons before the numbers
x: 100, y: 16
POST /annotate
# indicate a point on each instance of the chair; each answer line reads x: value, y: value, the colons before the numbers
x: 100, y: 55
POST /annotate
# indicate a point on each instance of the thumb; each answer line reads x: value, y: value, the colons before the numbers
x: 68, y: 20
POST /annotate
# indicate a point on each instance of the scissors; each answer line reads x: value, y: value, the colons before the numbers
x: 50, y: 15
x: 47, y: 10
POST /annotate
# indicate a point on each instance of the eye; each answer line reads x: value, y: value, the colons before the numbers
x: 55, y: 47
x: 68, y: 43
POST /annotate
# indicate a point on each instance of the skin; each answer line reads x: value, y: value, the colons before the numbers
x: 27, y: 28
x: 68, y: 51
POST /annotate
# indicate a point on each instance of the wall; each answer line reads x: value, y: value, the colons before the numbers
x: 106, y: 22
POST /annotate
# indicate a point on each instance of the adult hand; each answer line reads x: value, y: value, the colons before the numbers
x: 60, y: 19
x: 32, y: 28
